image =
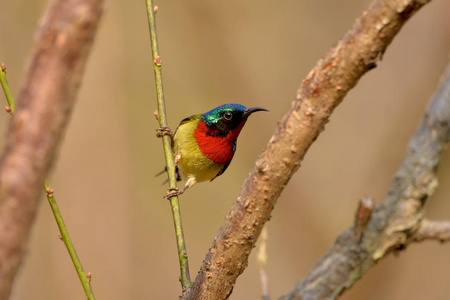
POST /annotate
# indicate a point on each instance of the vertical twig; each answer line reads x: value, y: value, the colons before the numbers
x: 85, y: 279
x: 4, y: 81
x: 262, y: 264
x: 65, y: 237
x: 162, y: 118
x: 44, y: 105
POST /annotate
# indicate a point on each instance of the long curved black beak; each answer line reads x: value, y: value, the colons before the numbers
x: 251, y: 110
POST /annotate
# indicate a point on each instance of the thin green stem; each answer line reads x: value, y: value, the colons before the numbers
x: 5, y: 86
x: 85, y: 279
x: 65, y: 237
x: 162, y: 118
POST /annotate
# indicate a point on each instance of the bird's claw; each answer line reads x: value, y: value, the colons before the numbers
x: 172, y: 192
x: 160, y: 132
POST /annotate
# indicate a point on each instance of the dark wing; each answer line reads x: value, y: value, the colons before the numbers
x: 221, y: 171
x: 188, y: 119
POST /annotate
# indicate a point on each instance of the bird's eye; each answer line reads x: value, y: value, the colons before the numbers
x: 228, y: 116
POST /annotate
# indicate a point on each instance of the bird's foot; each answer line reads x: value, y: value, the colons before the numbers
x: 161, y: 131
x: 173, y: 191
x: 177, y: 158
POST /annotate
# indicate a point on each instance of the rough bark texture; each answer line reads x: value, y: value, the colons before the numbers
x: 396, y: 222
x: 432, y: 230
x: 323, y: 89
x: 44, y: 104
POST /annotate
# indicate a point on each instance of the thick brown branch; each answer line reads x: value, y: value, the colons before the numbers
x: 323, y: 89
x: 45, y: 101
x: 432, y: 230
x: 398, y: 220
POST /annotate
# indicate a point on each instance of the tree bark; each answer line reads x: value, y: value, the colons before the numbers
x: 44, y: 104
x: 324, y: 88
x: 396, y: 222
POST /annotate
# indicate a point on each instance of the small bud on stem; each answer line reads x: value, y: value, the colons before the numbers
x: 158, y: 61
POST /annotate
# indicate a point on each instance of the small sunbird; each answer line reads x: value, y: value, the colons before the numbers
x: 204, y: 144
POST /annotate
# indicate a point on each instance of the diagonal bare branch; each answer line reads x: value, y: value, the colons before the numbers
x: 323, y: 89
x: 44, y: 104
x: 398, y: 220
x: 432, y: 230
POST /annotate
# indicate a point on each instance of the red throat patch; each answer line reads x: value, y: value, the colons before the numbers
x: 219, y: 149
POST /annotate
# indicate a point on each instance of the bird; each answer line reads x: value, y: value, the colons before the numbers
x: 204, y: 144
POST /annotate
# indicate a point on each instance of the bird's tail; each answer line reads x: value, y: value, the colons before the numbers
x: 177, y: 171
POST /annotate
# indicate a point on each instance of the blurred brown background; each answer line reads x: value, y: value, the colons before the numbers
x: 214, y: 52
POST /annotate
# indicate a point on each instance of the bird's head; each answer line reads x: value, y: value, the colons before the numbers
x: 228, y: 117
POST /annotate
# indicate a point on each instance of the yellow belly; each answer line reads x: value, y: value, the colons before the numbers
x: 193, y: 164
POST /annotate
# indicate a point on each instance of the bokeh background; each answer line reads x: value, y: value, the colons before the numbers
x: 255, y: 53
